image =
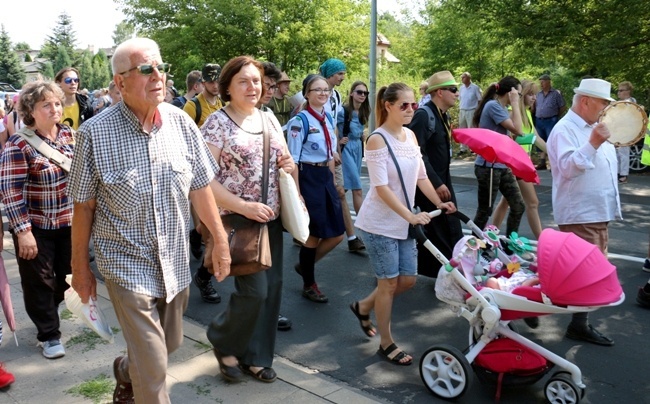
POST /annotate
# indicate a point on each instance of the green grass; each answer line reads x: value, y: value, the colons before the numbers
x: 89, y: 339
x: 98, y: 389
x: 202, y: 345
x: 66, y: 314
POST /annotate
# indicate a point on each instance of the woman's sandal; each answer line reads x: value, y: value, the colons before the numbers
x: 266, y: 375
x: 394, y: 355
x: 369, y: 330
x: 230, y: 373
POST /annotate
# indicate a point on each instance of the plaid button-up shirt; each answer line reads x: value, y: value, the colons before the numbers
x: 141, y: 182
x: 33, y: 188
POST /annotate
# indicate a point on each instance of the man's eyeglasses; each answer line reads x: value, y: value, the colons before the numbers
x: 403, y: 106
x: 70, y: 80
x: 452, y: 90
x: 147, y: 69
x: 321, y: 90
x: 364, y: 93
x: 271, y: 88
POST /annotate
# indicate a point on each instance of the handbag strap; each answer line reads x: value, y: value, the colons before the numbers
x: 399, y: 172
x: 266, y: 153
x: 45, y: 149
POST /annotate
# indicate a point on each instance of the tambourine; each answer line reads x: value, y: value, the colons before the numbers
x: 626, y: 122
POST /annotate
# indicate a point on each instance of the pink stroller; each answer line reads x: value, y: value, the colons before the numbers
x: 569, y: 270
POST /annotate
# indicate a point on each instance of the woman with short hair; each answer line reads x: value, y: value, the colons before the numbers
x: 39, y: 210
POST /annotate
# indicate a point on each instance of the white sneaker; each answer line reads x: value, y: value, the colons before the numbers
x: 53, y: 349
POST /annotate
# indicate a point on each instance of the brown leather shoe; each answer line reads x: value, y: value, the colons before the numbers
x: 123, y: 393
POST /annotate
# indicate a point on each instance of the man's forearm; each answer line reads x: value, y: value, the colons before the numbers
x: 82, y: 223
x: 206, y: 207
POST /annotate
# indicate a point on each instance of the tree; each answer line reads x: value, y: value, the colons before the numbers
x: 63, y: 36
x: 22, y: 46
x: 61, y: 60
x: 47, y: 71
x: 294, y: 34
x: 11, y: 71
x: 28, y: 58
x: 86, y: 69
x: 123, y: 31
x: 101, y: 72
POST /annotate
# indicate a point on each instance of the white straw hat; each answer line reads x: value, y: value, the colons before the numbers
x: 596, y: 88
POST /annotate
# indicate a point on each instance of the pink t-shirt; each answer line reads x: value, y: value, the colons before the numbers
x: 375, y: 216
x: 240, y: 163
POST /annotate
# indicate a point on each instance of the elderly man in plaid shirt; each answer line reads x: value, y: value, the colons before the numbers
x: 137, y: 165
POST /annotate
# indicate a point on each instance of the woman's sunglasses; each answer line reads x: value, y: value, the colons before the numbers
x: 70, y: 80
x: 147, y: 69
x: 364, y: 93
x: 403, y: 106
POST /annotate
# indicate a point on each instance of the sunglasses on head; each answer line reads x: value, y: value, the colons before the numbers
x: 452, y: 90
x: 147, y: 69
x: 70, y: 80
x: 403, y: 106
x: 360, y: 92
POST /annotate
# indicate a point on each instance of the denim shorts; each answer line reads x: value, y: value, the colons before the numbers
x: 391, y: 257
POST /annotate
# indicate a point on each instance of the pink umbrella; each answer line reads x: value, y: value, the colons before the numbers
x: 574, y: 272
x: 497, y: 148
x: 5, y: 299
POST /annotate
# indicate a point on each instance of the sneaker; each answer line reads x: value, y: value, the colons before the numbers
x: 312, y: 293
x: 646, y: 265
x: 195, y: 244
x: 53, y: 349
x: 284, y: 324
x: 356, y: 244
x: 643, y: 298
x: 208, y: 293
x: 589, y: 334
x: 6, y: 378
x: 123, y: 392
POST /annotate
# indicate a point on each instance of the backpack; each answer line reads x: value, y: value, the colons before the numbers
x: 179, y: 102
x: 305, y: 127
x: 432, y: 118
x: 197, y: 106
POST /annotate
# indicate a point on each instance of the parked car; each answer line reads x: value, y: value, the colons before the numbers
x: 6, y: 88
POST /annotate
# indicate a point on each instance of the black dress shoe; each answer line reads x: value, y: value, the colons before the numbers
x: 284, y: 324
x: 589, y: 334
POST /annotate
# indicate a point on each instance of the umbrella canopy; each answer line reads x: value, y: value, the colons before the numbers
x: 574, y: 272
x: 5, y: 297
x: 497, y: 148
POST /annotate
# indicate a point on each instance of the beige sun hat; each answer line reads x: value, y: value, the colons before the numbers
x: 441, y: 79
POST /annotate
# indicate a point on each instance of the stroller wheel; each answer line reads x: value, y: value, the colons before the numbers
x: 560, y: 389
x: 445, y: 371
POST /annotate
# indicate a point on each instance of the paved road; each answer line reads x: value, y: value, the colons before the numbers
x: 327, y: 338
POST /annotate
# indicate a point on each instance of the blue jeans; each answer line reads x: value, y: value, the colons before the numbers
x: 545, y: 126
x: 391, y: 257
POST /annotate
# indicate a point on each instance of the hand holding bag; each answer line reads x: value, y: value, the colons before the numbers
x: 250, y: 251
x: 293, y: 212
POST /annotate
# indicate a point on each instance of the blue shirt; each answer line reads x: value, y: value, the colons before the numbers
x: 491, y: 118
x: 314, y: 148
x: 549, y: 105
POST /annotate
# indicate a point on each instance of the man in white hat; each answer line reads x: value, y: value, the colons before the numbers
x: 585, y: 184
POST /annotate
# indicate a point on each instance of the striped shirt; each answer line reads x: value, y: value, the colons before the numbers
x: 33, y: 188
x: 141, y: 182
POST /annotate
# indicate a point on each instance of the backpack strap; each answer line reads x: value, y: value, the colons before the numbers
x: 432, y: 117
x: 197, y: 106
x: 45, y: 149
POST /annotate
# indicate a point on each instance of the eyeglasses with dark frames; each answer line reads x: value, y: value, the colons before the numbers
x: 360, y: 92
x: 147, y: 69
x: 452, y: 90
x: 404, y: 106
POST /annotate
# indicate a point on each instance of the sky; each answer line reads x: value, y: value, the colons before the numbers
x: 93, y: 20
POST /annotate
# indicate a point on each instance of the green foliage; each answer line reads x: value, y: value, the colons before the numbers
x: 27, y: 58
x: 97, y: 389
x: 88, y: 338
x: 123, y: 31
x: 294, y: 34
x: 47, y: 71
x: 62, y: 59
x: 101, y: 72
x: 86, y: 69
x: 63, y: 36
x: 22, y: 46
x: 11, y: 71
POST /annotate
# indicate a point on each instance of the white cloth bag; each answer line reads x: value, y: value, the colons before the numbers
x: 294, y: 214
x: 90, y: 312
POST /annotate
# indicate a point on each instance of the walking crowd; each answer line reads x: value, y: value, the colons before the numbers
x: 146, y: 183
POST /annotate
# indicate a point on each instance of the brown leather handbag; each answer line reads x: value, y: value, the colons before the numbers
x: 250, y: 250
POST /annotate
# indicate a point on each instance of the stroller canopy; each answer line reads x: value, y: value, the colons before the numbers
x: 574, y: 272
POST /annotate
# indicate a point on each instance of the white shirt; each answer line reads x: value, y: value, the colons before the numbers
x: 469, y: 96
x: 585, y: 183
